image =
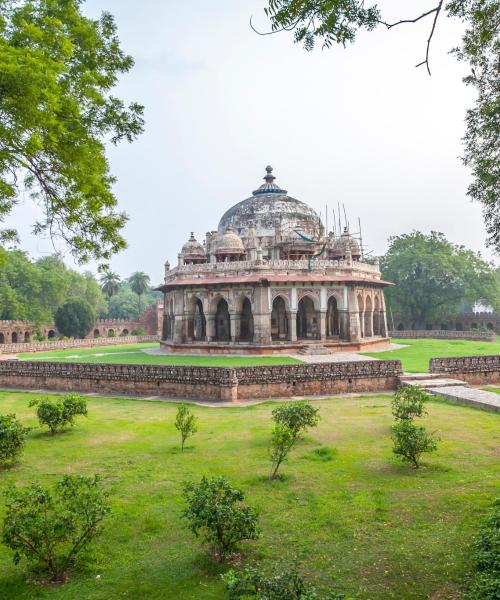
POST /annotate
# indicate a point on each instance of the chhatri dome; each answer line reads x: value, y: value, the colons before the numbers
x: 271, y: 279
x: 269, y: 207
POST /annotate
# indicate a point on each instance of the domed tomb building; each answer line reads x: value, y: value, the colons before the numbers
x: 272, y: 279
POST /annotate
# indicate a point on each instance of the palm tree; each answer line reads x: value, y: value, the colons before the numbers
x: 139, y: 283
x: 110, y: 283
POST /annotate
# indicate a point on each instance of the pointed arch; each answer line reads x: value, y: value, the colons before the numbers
x: 332, y: 318
x: 279, y: 319
x: 222, y: 322
x: 307, y: 319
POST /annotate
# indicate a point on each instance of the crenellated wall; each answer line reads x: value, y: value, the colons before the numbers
x: 445, y: 334
x: 476, y: 370
x: 75, y: 343
x: 203, y: 383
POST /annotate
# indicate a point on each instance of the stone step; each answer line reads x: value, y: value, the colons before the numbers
x: 417, y: 376
x: 467, y: 395
x: 314, y: 349
x: 432, y: 382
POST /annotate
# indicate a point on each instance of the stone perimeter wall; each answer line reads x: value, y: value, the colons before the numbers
x: 445, y: 334
x: 69, y: 344
x: 203, y: 383
x: 476, y: 370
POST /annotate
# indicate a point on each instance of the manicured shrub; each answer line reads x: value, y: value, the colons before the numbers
x: 111, y: 333
x: 12, y: 438
x: 282, y: 584
x: 185, y: 422
x: 75, y: 318
x: 215, y: 510
x: 282, y: 441
x: 138, y: 331
x: 486, y: 556
x: 409, y: 402
x: 50, y: 526
x: 411, y: 441
x: 297, y: 416
x: 59, y: 413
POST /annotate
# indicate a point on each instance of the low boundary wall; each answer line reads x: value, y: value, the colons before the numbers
x: 69, y: 344
x: 203, y: 383
x: 476, y: 370
x: 445, y: 334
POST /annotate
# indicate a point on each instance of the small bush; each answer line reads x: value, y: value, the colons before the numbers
x: 185, y: 422
x: 486, y: 556
x: 282, y: 584
x: 12, y: 438
x: 323, y: 453
x: 49, y: 527
x: 111, y: 334
x: 59, y: 413
x: 409, y: 402
x: 411, y: 441
x: 138, y: 331
x: 282, y: 441
x: 297, y: 416
x: 216, y: 509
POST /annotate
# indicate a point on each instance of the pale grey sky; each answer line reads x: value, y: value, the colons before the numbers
x: 359, y: 126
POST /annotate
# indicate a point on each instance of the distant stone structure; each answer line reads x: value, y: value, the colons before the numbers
x: 461, y: 322
x: 271, y: 279
x: 16, y: 332
x: 446, y: 334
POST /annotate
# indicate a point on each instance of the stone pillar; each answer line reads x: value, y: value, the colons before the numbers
x: 235, y: 322
x: 178, y: 329
x: 292, y: 325
x: 322, y: 325
x: 353, y: 330
x: 210, y: 323
x: 262, y: 316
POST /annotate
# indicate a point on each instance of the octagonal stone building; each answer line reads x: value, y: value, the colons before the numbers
x: 272, y: 279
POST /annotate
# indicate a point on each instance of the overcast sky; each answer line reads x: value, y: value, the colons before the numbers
x: 359, y: 126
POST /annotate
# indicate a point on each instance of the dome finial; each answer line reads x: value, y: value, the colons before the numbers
x: 269, y: 174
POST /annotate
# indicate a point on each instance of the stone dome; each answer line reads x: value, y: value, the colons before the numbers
x: 346, y: 242
x: 230, y: 243
x: 270, y: 207
x: 193, y: 249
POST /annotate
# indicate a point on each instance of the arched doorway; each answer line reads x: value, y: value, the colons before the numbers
x: 14, y: 337
x: 222, y: 322
x: 96, y: 333
x: 197, y: 324
x: 332, y: 318
x: 307, y: 320
x: 377, y: 318
x: 51, y: 335
x: 124, y: 332
x: 361, y: 308
x: 246, y: 321
x: 368, y: 317
x: 279, y: 320
x: 2, y: 338
x: 27, y: 336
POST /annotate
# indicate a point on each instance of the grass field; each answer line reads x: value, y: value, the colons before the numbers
x: 492, y: 389
x: 415, y: 357
x: 361, y: 523
x: 132, y: 354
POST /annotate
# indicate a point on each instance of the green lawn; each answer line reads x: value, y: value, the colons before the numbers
x: 492, y: 389
x: 415, y: 357
x: 361, y: 523
x: 132, y: 354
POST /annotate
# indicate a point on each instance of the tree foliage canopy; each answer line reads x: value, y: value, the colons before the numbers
x: 75, y: 318
x: 434, y: 277
x: 338, y: 21
x: 57, y: 70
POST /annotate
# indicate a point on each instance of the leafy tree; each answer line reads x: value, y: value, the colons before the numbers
x: 49, y: 527
x: 58, y: 68
x: 338, y: 21
x: 139, y: 283
x: 185, y: 422
x: 215, y: 508
x: 75, y: 318
x: 282, y: 441
x: 296, y: 416
x: 138, y: 331
x: 110, y: 283
x: 434, y: 277
x: 59, y: 413
x: 409, y: 402
x: 282, y: 584
x: 12, y: 438
x: 411, y: 441
x: 123, y: 305
x: 486, y: 558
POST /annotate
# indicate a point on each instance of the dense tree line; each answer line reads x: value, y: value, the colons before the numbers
x: 34, y: 290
